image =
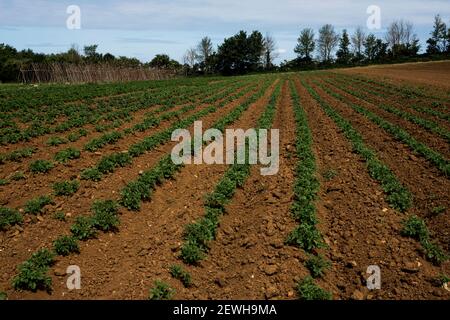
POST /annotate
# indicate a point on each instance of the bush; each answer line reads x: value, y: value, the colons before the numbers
x: 105, y: 215
x: 35, y: 206
x: 66, y: 188
x: 161, y: 291
x: 308, y: 290
x: 33, y: 272
x: 178, y: 273
x: 83, y: 228
x: 66, y: 245
x: 9, y: 217
x: 41, y: 166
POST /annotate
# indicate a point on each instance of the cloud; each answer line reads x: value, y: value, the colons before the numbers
x: 147, y: 40
x: 45, y: 45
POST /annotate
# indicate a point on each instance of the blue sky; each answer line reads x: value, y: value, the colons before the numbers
x: 142, y: 29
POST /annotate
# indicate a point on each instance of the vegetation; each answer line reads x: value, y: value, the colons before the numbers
x: 9, y: 217
x: 36, y: 205
x: 66, y: 188
x: 66, y: 245
x: 161, y: 291
x: 177, y: 272
x: 308, y: 290
x: 33, y: 272
x: 41, y: 166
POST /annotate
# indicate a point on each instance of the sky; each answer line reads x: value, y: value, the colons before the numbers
x: 141, y: 29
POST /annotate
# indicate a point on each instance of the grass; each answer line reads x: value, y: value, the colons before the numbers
x: 161, y: 291
x: 41, y: 166
x: 308, y: 290
x: 66, y: 188
x: 66, y: 245
x: 36, y: 205
x: 177, y: 272
x: 33, y: 272
x: 9, y: 217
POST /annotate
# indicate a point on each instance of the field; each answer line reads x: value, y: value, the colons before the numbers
x: 86, y: 179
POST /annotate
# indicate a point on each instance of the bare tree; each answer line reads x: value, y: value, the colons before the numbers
x: 204, y: 49
x: 190, y: 57
x: 328, y: 40
x: 305, y: 44
x: 400, y: 34
x: 269, y: 54
x: 358, y: 39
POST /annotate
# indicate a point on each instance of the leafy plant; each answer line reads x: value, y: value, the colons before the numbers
x: 65, y: 155
x: 18, y: 175
x: 434, y: 253
x: 178, y: 273
x: 438, y: 210
x: 83, y: 228
x: 308, y: 290
x: 54, y: 141
x: 3, y: 295
x: 36, y: 205
x: 33, y: 272
x: 66, y: 188
x: 3, y: 182
x: 317, y: 265
x: 9, y: 217
x: 161, y: 291
x: 41, y: 166
x: 415, y: 228
x: 66, y: 245
x: 92, y: 174
x: 59, y: 215
x: 105, y: 215
x: 329, y: 174
x: 305, y: 236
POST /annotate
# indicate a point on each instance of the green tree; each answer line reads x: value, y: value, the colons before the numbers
x: 437, y: 43
x: 305, y: 44
x: 343, y: 54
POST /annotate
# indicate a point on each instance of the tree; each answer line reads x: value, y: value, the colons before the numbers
x: 163, y: 61
x: 190, y: 57
x: 269, y: 54
x: 328, y: 39
x: 375, y: 49
x: 358, y: 43
x: 91, y: 53
x: 305, y: 44
x: 401, y: 39
x: 438, y: 41
x: 203, y: 54
x: 343, y: 54
x: 240, y: 53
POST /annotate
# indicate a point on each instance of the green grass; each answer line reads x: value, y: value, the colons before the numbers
x: 41, y: 166
x: 308, y: 290
x: 36, y: 205
x: 161, y: 291
x: 66, y: 188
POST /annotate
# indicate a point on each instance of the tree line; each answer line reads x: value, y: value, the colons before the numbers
x: 252, y: 52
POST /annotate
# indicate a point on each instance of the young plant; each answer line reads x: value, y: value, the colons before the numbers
x: 33, y: 272
x: 66, y: 245
x: 177, y: 272
x: 92, y: 174
x: 18, y: 175
x: 161, y: 291
x: 3, y: 182
x: 83, y: 228
x: 305, y: 236
x: 105, y: 216
x: 36, y: 205
x: 9, y: 217
x: 317, y: 265
x: 59, y: 215
x: 55, y: 141
x: 66, y: 188
x: 308, y: 290
x: 65, y: 155
x: 41, y: 166
x: 415, y: 228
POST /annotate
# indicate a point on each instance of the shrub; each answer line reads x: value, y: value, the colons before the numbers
x: 161, y: 291
x: 67, y: 154
x: 41, y: 166
x: 317, y: 265
x: 178, y: 273
x: 66, y: 245
x: 308, y: 290
x: 35, y: 206
x: 33, y: 272
x: 91, y: 174
x: 66, y: 188
x: 9, y: 217
x: 83, y: 228
x: 105, y: 215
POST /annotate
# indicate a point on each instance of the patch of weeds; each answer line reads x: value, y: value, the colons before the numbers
x: 161, y: 291
x: 308, y: 290
x: 177, y: 272
x: 36, y: 205
x: 317, y: 265
x: 66, y: 245
x: 41, y: 166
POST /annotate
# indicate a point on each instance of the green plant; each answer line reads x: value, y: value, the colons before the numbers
x: 441, y: 280
x: 66, y: 245
x: 54, y: 141
x: 191, y: 253
x: 305, y: 236
x: 308, y: 290
x: 92, y: 174
x: 414, y: 227
x: 105, y: 215
x: 434, y: 253
x: 41, y: 166
x: 66, y: 188
x: 3, y: 182
x: 317, y: 265
x: 9, y: 217
x: 3, y: 295
x: 33, y: 272
x: 161, y: 291
x: 59, y: 215
x: 83, y: 228
x: 178, y: 273
x: 18, y: 175
x: 65, y: 155
x: 438, y: 210
x: 329, y: 174
x: 36, y: 205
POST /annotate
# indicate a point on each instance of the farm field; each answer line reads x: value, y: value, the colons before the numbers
x: 86, y: 179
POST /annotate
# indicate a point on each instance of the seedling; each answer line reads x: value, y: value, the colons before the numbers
x: 317, y: 265
x: 9, y: 217
x: 66, y: 245
x: 36, y: 205
x: 66, y: 188
x: 161, y: 291
x: 41, y: 166
x: 308, y: 290
x: 178, y: 273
